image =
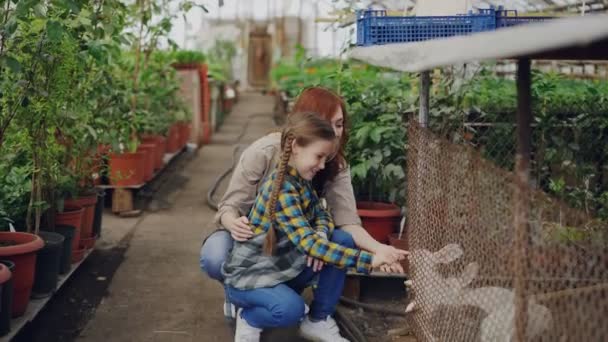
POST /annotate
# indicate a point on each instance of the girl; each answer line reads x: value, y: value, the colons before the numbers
x: 333, y: 183
x: 265, y: 274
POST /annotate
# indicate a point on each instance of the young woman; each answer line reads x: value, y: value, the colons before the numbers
x: 333, y: 183
x: 265, y: 274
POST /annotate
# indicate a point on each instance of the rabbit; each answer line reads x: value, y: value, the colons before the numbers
x: 433, y: 290
x: 430, y: 287
x: 499, y: 304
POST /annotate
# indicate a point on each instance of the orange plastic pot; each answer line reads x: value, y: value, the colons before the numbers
x: 159, y: 143
x: 21, y: 248
x: 184, y: 133
x: 150, y: 157
x: 88, y: 204
x: 127, y: 169
x: 379, y: 219
x: 207, y: 132
x: 173, y: 139
x: 72, y: 215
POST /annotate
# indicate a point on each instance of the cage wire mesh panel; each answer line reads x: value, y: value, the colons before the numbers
x: 461, y: 231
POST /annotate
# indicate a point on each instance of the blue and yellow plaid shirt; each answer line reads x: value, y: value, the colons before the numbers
x: 298, y: 220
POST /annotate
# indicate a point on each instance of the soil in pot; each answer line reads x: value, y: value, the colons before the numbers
x: 65, y: 263
x: 72, y: 216
x: 379, y: 219
x: 47, y: 265
x: 23, y: 255
x: 6, y: 299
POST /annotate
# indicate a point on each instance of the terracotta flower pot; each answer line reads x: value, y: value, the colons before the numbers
x: 173, y: 139
x: 159, y: 142
x: 6, y: 298
x: 88, y: 204
x: 72, y: 216
x: 149, y: 160
x: 402, y: 244
x: 127, y: 169
x: 21, y: 248
x: 207, y: 131
x: 98, y: 163
x: 184, y: 133
x: 379, y: 219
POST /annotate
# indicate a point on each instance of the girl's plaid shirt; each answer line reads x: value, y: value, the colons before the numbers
x: 298, y: 220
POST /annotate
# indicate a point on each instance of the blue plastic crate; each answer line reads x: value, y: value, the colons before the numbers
x: 376, y: 28
x: 508, y: 18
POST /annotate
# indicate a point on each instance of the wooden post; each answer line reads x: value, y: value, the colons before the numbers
x: 425, y: 85
x: 522, y: 195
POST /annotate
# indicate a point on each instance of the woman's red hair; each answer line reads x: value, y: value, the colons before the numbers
x: 325, y: 103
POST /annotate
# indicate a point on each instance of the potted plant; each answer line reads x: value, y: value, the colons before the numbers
x: 126, y: 166
x: 376, y: 152
x: 185, y: 60
x: 6, y: 298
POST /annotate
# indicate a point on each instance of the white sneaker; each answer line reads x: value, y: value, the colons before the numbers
x: 244, y: 331
x: 229, y: 312
x: 322, y: 331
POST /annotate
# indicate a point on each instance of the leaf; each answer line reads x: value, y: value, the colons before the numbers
x: 11, y: 26
x: 54, y: 30
x: 39, y: 10
x: 359, y: 171
x: 375, y: 135
x: 361, y: 134
x: 12, y: 63
x: 91, y: 131
x: 172, y: 43
x: 37, y: 25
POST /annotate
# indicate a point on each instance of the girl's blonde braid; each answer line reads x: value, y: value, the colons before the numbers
x: 271, y: 235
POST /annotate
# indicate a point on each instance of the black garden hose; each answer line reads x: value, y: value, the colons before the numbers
x: 215, y: 185
x: 349, y: 328
x: 372, y: 307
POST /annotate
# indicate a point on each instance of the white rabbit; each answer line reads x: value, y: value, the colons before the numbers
x: 433, y: 290
x: 499, y: 304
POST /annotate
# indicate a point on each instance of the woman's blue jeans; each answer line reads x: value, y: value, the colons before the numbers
x: 269, y: 304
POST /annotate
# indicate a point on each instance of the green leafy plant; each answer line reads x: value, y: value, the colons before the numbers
x: 377, y: 139
x: 189, y: 57
x: 68, y: 84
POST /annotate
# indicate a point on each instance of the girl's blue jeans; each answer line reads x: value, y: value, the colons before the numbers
x: 281, y: 305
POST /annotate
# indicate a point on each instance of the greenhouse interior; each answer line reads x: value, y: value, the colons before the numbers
x: 290, y: 170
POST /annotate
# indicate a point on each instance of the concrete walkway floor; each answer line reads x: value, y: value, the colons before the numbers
x: 159, y: 293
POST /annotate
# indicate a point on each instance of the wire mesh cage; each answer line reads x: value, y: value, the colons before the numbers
x: 466, y: 279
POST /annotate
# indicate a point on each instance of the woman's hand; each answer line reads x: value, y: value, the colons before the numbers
x: 392, y: 254
x: 239, y: 228
x: 392, y: 268
x: 388, y: 255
